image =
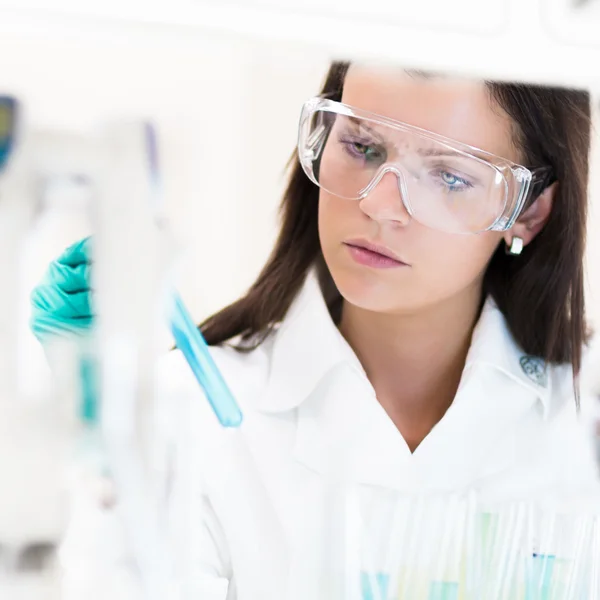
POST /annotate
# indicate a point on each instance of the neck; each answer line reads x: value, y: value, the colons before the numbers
x: 414, y: 361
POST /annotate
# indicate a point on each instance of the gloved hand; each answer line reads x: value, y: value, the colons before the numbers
x: 61, y: 303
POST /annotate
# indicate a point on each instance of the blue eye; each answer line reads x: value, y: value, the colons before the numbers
x: 454, y: 183
x: 449, y: 178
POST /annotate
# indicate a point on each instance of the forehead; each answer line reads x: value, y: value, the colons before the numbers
x: 460, y: 109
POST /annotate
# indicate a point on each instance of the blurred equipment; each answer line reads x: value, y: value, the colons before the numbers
x: 102, y: 410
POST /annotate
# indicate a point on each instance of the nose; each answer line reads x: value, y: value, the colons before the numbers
x: 385, y: 200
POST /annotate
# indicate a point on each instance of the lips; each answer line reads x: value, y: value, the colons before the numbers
x: 376, y: 249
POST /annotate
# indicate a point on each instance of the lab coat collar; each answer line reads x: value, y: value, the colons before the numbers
x: 343, y: 431
x: 308, y: 345
x: 493, y: 345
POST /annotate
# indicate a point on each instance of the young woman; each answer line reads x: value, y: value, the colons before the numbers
x: 417, y: 327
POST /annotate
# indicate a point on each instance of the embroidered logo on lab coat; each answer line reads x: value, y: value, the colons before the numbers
x: 535, y: 369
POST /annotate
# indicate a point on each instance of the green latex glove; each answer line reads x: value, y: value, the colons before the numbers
x: 61, y: 307
x: 61, y: 303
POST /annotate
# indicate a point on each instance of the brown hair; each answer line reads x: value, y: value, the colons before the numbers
x: 540, y: 292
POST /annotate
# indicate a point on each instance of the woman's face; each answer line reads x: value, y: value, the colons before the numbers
x: 438, y: 266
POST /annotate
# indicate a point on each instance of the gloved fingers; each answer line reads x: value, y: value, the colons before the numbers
x: 70, y: 279
x: 57, y: 303
x: 77, y: 254
x: 61, y: 305
x: 44, y: 326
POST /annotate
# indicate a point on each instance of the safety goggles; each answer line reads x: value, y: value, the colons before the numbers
x: 443, y: 184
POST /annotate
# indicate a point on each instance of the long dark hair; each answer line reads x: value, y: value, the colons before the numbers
x: 540, y: 292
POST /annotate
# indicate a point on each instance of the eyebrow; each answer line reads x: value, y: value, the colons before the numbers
x: 360, y: 123
x: 437, y: 152
x: 422, y: 151
x: 426, y: 152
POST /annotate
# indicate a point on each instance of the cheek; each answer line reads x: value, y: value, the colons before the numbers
x: 337, y: 217
x: 455, y: 262
x: 445, y: 266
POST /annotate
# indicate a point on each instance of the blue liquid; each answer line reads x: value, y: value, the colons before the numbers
x: 195, y: 350
x: 538, y: 585
x: 88, y: 370
x: 382, y: 581
x: 443, y: 590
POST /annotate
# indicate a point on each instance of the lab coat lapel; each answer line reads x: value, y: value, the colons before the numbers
x: 306, y: 347
x: 498, y: 394
x: 476, y: 438
x: 344, y: 433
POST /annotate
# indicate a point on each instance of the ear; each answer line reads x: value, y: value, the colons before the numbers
x: 532, y: 221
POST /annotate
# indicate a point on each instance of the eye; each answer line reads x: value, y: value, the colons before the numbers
x: 449, y: 178
x: 363, y: 150
x: 453, y: 182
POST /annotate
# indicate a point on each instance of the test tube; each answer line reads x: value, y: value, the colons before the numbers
x: 188, y: 338
x: 473, y: 559
x: 445, y: 582
x: 195, y: 351
x: 396, y: 545
x: 375, y: 577
x: 498, y: 550
x: 414, y: 581
x: 538, y: 588
x: 576, y: 576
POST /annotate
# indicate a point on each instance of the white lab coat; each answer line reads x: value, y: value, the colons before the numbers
x: 311, y: 417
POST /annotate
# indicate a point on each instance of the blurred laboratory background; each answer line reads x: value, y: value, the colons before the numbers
x: 225, y: 105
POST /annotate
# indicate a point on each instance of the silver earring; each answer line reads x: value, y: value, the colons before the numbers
x: 516, y: 246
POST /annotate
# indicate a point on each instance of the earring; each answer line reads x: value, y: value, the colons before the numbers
x: 516, y: 246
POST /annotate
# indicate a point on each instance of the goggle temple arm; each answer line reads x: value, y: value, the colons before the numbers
x: 541, y: 178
